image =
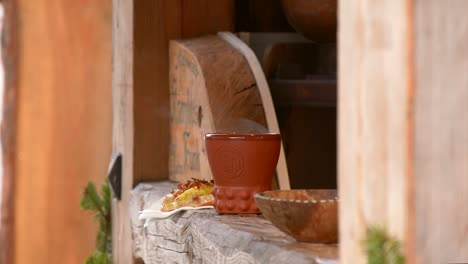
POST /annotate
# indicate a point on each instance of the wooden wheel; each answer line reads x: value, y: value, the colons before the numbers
x: 215, y: 86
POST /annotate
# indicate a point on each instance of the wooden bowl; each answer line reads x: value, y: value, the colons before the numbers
x: 315, y: 19
x: 306, y: 215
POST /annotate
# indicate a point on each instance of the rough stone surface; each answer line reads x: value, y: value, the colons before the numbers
x: 206, y: 237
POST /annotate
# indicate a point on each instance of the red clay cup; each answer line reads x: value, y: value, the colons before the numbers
x: 242, y: 165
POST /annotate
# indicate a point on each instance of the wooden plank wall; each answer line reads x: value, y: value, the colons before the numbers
x: 142, y: 30
x: 403, y: 144
x: 156, y: 22
x: 61, y: 66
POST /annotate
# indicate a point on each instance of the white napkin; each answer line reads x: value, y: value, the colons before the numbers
x: 154, y: 211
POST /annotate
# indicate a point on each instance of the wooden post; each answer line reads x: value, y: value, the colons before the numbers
x: 403, y: 126
x: 142, y: 30
x: 56, y: 126
x: 8, y: 132
x: 122, y: 102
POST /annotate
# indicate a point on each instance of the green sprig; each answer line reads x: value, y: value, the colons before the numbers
x: 381, y: 248
x: 101, y: 206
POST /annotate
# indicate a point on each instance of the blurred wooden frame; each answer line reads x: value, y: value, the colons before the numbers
x: 367, y: 149
x: 8, y: 130
x: 57, y: 90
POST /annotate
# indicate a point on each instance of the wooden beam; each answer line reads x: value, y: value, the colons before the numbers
x: 373, y: 103
x: 403, y: 144
x: 57, y: 129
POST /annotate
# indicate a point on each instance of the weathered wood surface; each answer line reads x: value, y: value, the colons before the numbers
x: 206, y: 237
x: 212, y: 90
x: 440, y: 156
x: 374, y: 120
x: 123, y: 120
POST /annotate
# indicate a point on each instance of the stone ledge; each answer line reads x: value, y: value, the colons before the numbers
x: 206, y: 237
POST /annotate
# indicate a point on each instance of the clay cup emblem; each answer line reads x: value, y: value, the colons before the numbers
x: 231, y: 163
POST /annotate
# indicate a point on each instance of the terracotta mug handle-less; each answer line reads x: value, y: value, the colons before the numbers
x: 242, y: 165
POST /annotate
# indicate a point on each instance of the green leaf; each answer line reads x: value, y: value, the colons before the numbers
x: 99, y: 257
x: 101, y: 241
x: 91, y: 199
x: 106, y: 197
x: 380, y: 248
x: 103, y: 223
x: 101, y: 206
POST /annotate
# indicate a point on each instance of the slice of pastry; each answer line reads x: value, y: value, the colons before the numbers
x: 194, y: 193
